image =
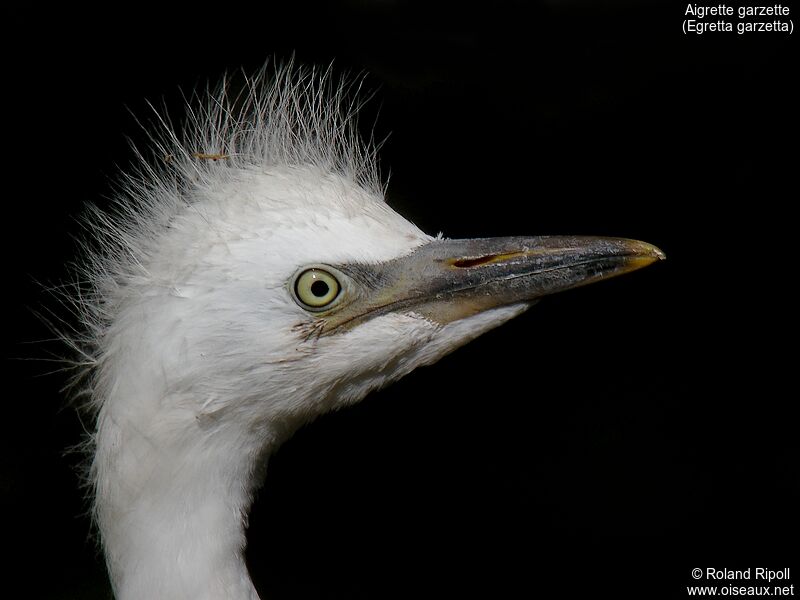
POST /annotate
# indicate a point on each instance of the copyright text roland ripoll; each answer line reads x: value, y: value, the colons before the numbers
x: 745, y: 582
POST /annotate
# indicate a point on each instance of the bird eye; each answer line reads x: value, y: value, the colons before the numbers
x: 316, y: 289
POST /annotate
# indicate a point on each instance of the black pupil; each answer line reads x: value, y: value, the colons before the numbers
x: 319, y: 288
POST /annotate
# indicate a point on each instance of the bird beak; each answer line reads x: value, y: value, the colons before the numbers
x: 447, y: 280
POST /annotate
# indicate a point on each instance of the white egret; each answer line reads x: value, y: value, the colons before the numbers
x: 249, y: 278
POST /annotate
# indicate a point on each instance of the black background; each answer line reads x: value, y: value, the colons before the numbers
x: 605, y: 443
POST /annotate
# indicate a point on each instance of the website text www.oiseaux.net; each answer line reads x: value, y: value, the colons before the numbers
x: 744, y: 582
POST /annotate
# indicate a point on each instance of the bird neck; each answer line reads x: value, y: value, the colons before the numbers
x: 173, y: 516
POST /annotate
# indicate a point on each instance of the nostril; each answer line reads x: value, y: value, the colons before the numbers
x: 466, y: 263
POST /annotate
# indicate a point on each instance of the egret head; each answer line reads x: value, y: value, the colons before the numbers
x: 250, y: 280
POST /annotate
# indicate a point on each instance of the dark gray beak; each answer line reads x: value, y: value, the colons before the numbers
x: 446, y: 280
